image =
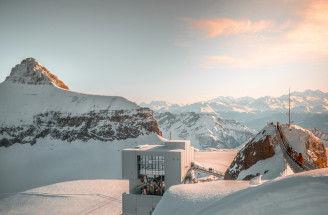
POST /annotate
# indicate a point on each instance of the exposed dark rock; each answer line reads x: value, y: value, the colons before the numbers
x: 103, y: 126
x: 254, y: 151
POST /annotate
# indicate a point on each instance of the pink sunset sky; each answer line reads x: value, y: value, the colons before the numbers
x: 178, y: 51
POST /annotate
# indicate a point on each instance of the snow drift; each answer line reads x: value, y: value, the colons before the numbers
x: 302, y: 193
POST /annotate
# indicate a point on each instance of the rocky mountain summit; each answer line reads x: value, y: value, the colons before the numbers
x: 36, y: 104
x: 263, y: 156
x: 31, y: 72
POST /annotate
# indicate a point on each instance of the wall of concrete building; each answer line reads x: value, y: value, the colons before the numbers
x: 139, y: 204
x: 177, y: 164
x: 172, y: 169
x: 129, y: 165
x: 176, y: 144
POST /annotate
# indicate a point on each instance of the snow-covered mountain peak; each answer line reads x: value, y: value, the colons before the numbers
x: 31, y: 72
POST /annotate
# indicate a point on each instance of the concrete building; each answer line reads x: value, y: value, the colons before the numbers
x: 152, y: 169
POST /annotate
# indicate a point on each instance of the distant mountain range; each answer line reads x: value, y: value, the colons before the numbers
x: 308, y: 109
x: 204, y: 130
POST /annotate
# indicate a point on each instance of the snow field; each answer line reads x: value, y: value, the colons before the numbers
x: 188, y: 198
x: 73, y: 197
x: 302, y: 193
x: 24, y: 101
x: 218, y: 160
x: 49, y: 161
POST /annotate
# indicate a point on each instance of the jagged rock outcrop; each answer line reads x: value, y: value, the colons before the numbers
x: 263, y: 146
x: 321, y: 134
x: 205, y: 130
x: 263, y: 156
x: 31, y: 72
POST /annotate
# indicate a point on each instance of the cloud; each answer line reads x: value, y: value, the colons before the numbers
x: 224, y: 26
x: 303, y: 41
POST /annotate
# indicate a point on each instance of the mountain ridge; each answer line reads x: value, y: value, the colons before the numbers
x: 308, y: 109
x: 223, y: 102
x: 204, y: 130
x: 36, y: 104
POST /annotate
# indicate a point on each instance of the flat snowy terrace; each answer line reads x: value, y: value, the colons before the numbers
x: 74, y: 197
x: 303, y: 193
x: 218, y: 160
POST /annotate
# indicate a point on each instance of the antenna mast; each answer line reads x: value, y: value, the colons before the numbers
x: 289, y: 109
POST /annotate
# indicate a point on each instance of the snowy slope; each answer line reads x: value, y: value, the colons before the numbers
x: 74, y: 197
x: 35, y: 105
x: 20, y: 102
x: 188, y: 198
x: 49, y: 134
x: 49, y: 161
x: 204, y: 130
x: 31, y: 89
x: 302, y: 193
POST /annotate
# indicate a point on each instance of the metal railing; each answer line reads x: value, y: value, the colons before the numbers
x: 208, y: 171
x: 294, y: 165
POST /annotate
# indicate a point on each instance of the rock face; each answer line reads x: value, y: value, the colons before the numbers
x: 263, y: 146
x: 321, y: 134
x: 263, y: 156
x: 34, y: 105
x: 204, y: 130
x: 31, y: 72
x: 103, y: 126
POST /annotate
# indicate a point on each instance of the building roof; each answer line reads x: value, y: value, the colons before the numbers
x: 169, y: 145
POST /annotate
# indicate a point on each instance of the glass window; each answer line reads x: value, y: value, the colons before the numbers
x: 151, y: 165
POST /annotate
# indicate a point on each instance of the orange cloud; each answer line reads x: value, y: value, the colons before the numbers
x: 224, y: 26
x: 305, y: 41
x: 310, y: 35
